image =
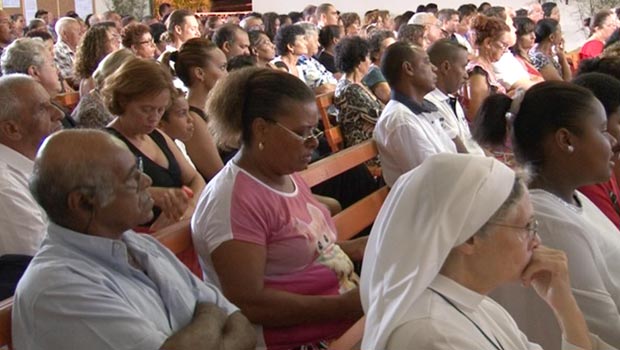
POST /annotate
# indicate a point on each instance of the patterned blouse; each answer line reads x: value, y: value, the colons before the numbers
x: 358, y: 111
x: 91, y: 112
x: 540, y: 60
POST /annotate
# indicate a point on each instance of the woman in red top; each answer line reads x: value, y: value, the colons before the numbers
x: 607, y: 90
x: 525, y: 41
x: 603, y: 25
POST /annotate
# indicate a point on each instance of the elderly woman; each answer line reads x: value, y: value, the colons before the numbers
x: 258, y: 214
x: 549, y: 45
x: 358, y: 108
x: 316, y: 76
x: 199, y: 64
x: 137, y: 37
x: 290, y: 44
x: 138, y: 93
x: 560, y: 132
x: 493, y: 39
x: 261, y: 47
x: 99, y: 41
x: 604, y: 23
x: 429, y: 290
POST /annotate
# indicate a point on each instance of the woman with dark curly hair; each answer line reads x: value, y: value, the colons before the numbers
x: 137, y: 37
x: 290, y: 45
x: 358, y: 108
x: 100, y: 40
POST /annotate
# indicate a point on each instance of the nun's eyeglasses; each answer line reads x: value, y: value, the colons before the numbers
x: 531, y: 228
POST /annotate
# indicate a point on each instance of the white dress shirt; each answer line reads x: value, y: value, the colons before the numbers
x: 81, y: 292
x: 463, y: 41
x: 592, y: 245
x: 22, y: 220
x: 406, y: 138
x: 454, y: 124
x: 437, y: 325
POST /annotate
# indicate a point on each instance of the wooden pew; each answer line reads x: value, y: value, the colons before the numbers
x: 68, y: 100
x: 5, y: 323
x: 333, y: 134
x: 361, y: 214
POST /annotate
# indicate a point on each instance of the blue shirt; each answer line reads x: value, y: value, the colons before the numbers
x: 80, y: 292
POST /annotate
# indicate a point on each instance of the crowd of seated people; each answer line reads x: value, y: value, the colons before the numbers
x: 458, y: 101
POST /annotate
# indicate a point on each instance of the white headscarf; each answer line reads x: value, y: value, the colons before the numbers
x: 430, y: 210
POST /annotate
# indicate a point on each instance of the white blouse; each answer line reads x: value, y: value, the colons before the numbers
x: 438, y: 325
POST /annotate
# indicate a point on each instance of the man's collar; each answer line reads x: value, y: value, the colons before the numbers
x: 425, y: 107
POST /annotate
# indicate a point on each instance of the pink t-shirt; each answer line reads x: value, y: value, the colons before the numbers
x: 301, y: 254
x: 591, y: 49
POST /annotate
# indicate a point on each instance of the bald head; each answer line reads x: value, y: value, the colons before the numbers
x: 66, y: 161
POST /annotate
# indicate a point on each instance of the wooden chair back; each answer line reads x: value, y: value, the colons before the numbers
x: 333, y: 134
x: 361, y: 214
x: 6, y: 306
x: 68, y: 100
x: 573, y: 59
x: 176, y: 237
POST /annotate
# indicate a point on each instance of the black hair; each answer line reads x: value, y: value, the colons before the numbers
x: 286, y: 36
x: 606, y: 65
x: 226, y: 33
x: 604, y: 87
x: 490, y: 123
x: 548, y: 8
x: 350, y: 52
x: 327, y: 35
x: 241, y: 61
x: 375, y: 40
x: 546, y: 107
x: 392, y: 61
x: 544, y: 28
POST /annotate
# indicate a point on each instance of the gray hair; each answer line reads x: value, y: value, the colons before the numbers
x: 63, y: 22
x: 310, y: 28
x: 10, y: 101
x: 55, y: 176
x: 22, y: 54
x: 519, y: 188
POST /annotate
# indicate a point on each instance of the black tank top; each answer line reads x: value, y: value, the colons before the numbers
x: 198, y: 111
x: 161, y: 177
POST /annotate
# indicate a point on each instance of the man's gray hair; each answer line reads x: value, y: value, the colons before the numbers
x: 52, y: 181
x: 310, y: 28
x: 22, y: 54
x: 10, y: 100
x: 62, y: 23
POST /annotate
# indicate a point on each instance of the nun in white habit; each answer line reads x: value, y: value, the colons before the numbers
x: 450, y: 232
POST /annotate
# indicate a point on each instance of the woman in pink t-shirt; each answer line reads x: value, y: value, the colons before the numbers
x: 260, y: 233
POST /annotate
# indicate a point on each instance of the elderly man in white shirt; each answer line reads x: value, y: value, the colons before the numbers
x: 27, y: 117
x: 409, y: 129
x: 96, y: 284
x: 450, y: 58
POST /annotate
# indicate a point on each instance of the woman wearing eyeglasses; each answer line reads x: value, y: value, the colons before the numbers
x: 429, y: 265
x: 258, y: 229
x: 137, y: 37
x: 560, y: 132
x: 493, y: 39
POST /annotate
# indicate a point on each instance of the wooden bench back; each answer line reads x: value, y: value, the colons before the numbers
x: 361, y: 214
x: 69, y: 100
x: 333, y: 134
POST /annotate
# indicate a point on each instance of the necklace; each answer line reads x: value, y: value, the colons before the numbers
x: 497, y: 345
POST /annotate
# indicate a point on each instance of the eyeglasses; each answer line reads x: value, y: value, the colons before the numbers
x: 136, y: 175
x: 315, y: 133
x: 500, y: 45
x: 150, y: 42
x: 531, y: 228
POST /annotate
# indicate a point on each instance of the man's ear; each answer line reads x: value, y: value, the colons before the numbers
x: 407, y: 68
x: 226, y: 47
x: 11, y: 130
x: 33, y: 71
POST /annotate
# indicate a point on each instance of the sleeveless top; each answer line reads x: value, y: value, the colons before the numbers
x: 161, y: 177
x: 198, y: 111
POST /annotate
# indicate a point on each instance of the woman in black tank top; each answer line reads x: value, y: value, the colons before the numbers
x: 138, y: 93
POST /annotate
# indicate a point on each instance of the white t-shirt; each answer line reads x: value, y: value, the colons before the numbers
x: 405, y: 139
